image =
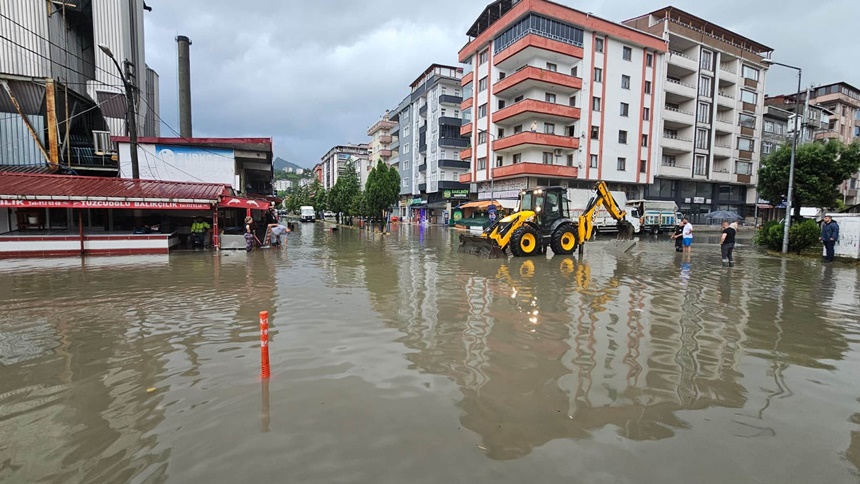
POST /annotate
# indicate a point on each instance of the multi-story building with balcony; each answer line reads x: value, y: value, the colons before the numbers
x: 843, y: 101
x: 713, y: 104
x: 779, y: 121
x: 429, y: 123
x: 343, y: 157
x: 380, y: 139
x: 555, y: 96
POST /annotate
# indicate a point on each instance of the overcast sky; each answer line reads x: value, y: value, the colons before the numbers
x: 313, y: 74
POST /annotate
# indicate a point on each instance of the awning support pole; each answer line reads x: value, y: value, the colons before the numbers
x: 51, y: 111
x: 81, y: 228
x: 215, y: 233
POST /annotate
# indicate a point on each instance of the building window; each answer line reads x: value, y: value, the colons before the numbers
x: 548, y: 128
x: 649, y: 60
x: 670, y: 133
x: 622, y: 164
x: 646, y: 114
x: 518, y: 99
x: 500, y: 133
x: 598, y: 45
x: 518, y: 129
x: 406, y: 148
x: 518, y: 158
x: 501, y: 104
x: 573, y: 101
x: 549, y: 97
x: 743, y: 168
x: 547, y: 158
x: 622, y: 137
x: 482, y: 84
x: 700, y: 165
x: 746, y: 121
x: 483, y: 57
x: 598, y: 74
x: 644, y: 140
x: 551, y: 67
x: 482, y: 163
x: 768, y: 126
x: 625, y: 109
x: 707, y: 60
x: 705, y: 86
x: 766, y: 147
x: 647, y: 87
x: 595, y: 104
x: 702, y: 139
x: 482, y: 111
x: 750, y: 73
x: 749, y: 97
x: 625, y: 82
x: 704, y: 113
x: 669, y: 160
x: 595, y: 132
x: 500, y: 160
x: 627, y: 53
x: 482, y: 137
x: 574, y: 71
x: 745, y: 144
x: 643, y: 166
x: 593, y: 162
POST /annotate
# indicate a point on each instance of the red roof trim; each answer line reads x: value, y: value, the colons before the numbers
x: 194, y: 141
x: 64, y: 187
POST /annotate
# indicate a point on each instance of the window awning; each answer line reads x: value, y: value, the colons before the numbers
x: 484, y: 204
x: 240, y: 202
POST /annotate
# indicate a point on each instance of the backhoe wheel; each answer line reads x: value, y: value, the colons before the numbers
x: 525, y: 242
x: 564, y: 239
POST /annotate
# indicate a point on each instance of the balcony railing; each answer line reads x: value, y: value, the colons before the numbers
x: 680, y: 54
x: 726, y: 95
x: 675, y: 81
x: 728, y: 69
x: 677, y: 110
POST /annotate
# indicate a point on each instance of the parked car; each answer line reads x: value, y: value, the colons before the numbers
x: 328, y: 214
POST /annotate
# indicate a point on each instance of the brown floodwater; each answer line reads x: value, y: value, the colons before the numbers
x: 397, y: 359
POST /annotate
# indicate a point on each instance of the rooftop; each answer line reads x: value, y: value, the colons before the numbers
x: 677, y: 15
x: 66, y: 187
x: 432, y: 68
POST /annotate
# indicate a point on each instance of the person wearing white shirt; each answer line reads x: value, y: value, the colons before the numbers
x: 687, y: 235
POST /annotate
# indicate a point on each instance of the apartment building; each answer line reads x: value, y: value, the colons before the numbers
x: 713, y: 106
x: 843, y: 100
x: 380, y: 139
x: 401, y: 139
x: 775, y: 129
x: 780, y: 110
x: 555, y: 96
x: 67, y: 87
x: 343, y: 157
x: 430, y: 140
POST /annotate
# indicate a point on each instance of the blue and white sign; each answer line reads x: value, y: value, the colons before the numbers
x: 181, y: 163
x: 492, y: 212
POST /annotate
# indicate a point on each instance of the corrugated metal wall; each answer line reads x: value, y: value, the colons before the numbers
x: 17, y: 147
x: 71, y: 54
x: 152, y: 127
x: 16, y: 59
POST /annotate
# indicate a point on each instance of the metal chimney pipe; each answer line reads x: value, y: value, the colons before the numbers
x: 183, y: 44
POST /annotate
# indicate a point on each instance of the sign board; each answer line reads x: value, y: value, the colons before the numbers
x: 104, y: 204
x: 698, y: 199
x: 460, y: 193
x: 239, y: 202
x: 181, y: 163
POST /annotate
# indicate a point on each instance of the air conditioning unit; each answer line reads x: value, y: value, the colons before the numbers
x: 557, y: 152
x: 101, y: 142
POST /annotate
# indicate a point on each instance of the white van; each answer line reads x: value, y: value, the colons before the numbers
x: 578, y: 199
x: 308, y: 214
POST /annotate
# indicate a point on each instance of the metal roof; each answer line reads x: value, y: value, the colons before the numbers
x: 19, y: 185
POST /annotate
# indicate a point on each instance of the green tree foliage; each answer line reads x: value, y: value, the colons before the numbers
x: 801, y: 235
x: 381, y: 191
x: 344, y: 193
x: 819, y: 168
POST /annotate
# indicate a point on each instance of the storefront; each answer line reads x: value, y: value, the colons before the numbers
x: 56, y: 215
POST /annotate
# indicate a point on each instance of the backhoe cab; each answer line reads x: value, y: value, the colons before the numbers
x: 543, y: 221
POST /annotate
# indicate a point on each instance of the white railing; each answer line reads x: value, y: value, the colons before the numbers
x: 674, y: 81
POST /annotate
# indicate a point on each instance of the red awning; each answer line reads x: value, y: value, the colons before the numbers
x: 64, y: 191
x: 240, y: 202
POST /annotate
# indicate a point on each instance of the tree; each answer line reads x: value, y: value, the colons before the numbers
x: 819, y: 168
x: 345, y: 191
x: 381, y: 191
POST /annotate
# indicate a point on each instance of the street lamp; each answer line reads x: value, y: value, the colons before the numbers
x: 793, y: 151
x: 492, y: 167
x: 131, y: 117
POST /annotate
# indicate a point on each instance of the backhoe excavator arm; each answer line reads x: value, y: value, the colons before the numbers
x: 601, y: 197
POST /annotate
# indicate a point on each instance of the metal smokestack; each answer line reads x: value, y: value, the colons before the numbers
x: 183, y: 44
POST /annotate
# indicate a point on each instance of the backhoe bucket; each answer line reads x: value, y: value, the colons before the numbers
x: 625, y: 230
x: 481, y: 246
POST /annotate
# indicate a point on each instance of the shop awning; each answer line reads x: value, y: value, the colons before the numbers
x: 27, y: 190
x: 481, y: 204
x: 240, y: 202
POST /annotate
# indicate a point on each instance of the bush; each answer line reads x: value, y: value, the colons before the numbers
x: 801, y: 236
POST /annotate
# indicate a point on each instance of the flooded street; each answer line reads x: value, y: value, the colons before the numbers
x: 397, y: 359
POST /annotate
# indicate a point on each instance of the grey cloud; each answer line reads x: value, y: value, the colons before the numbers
x: 314, y: 74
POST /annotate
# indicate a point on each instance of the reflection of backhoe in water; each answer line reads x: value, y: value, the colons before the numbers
x: 543, y: 221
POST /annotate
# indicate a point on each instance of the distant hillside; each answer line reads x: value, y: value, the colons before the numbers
x: 281, y: 163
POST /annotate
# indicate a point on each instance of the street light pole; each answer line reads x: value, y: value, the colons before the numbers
x: 796, y: 133
x: 131, y: 116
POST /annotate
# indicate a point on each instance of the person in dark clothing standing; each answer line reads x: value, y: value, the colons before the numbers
x: 679, y: 231
x: 271, y: 217
x: 829, y: 236
x: 727, y: 244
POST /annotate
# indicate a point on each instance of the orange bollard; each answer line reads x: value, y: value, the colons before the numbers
x: 264, y: 344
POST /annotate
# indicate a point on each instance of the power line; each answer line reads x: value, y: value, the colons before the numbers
x: 64, y: 49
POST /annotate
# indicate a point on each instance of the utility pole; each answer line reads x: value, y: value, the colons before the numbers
x: 131, y: 114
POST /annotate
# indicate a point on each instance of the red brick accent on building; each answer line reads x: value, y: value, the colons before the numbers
x: 466, y: 129
x: 466, y: 79
x: 530, y: 138
x: 535, y: 169
x: 537, y: 74
x: 535, y: 106
x: 466, y: 154
x: 534, y: 40
x: 467, y: 103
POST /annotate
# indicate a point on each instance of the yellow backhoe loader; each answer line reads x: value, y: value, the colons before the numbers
x: 543, y: 221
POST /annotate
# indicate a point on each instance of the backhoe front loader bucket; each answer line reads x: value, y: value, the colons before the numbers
x: 625, y: 230
x: 480, y: 245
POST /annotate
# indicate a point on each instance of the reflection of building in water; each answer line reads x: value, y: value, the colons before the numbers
x: 549, y: 349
